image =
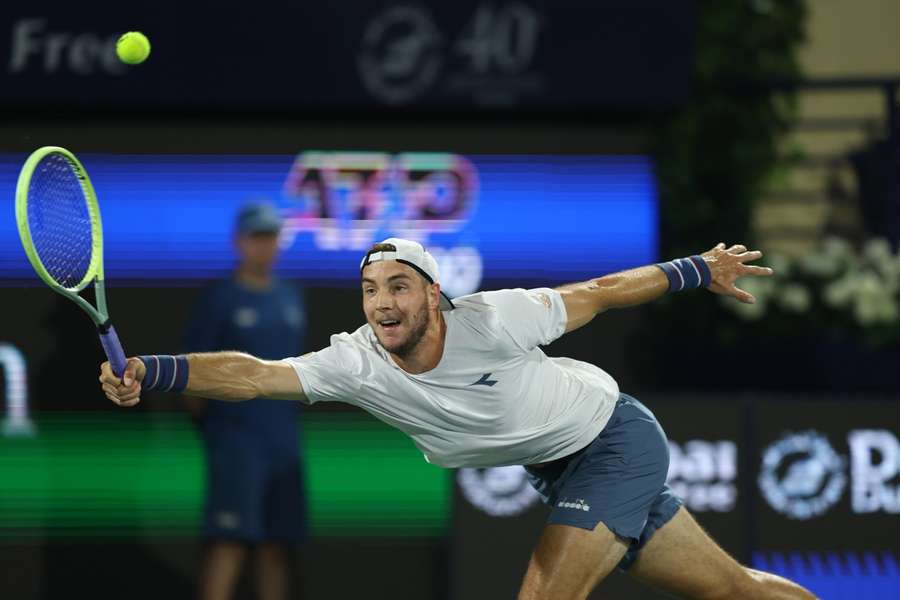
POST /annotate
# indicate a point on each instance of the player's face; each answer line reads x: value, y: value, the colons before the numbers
x: 258, y: 251
x: 396, y: 303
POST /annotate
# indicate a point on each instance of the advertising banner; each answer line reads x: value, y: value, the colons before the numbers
x: 507, y: 219
x: 460, y: 55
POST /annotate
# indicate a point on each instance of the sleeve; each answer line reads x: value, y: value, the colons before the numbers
x: 204, y: 324
x: 531, y: 317
x: 333, y: 374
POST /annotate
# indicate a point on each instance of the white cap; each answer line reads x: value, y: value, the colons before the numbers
x: 412, y: 254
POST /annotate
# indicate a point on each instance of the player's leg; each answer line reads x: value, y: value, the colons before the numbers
x: 568, y: 562
x: 601, y: 498
x: 681, y: 559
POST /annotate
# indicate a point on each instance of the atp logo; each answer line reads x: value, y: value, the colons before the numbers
x: 348, y: 199
x: 802, y: 476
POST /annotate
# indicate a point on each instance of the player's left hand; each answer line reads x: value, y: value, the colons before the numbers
x: 727, y: 264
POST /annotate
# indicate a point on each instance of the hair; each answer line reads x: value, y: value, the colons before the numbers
x: 383, y: 247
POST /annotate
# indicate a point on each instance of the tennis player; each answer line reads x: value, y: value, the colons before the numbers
x: 467, y: 381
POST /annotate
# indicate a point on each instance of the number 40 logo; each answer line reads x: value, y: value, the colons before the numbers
x: 504, y: 38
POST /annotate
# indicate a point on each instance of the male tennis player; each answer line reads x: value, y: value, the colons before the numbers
x: 468, y: 383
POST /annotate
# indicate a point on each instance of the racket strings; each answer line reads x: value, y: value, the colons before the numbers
x: 59, y: 221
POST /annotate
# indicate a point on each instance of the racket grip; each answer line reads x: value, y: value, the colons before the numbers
x: 113, y: 348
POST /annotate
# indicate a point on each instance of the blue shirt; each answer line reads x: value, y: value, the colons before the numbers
x: 270, y: 324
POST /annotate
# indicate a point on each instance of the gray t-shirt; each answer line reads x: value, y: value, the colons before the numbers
x: 494, y: 398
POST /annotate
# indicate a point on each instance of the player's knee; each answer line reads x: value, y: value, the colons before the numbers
x: 750, y: 584
x: 767, y: 585
x: 738, y: 585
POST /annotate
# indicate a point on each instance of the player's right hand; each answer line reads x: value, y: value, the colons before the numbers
x: 127, y: 390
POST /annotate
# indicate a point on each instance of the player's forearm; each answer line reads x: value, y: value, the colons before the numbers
x: 616, y: 290
x: 630, y: 288
x: 226, y: 376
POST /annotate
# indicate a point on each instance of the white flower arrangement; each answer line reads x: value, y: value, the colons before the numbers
x: 845, y: 288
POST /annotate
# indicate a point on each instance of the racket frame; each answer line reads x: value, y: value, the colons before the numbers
x: 94, y: 272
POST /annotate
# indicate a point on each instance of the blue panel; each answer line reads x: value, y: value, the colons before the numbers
x: 513, y: 219
x: 837, y: 576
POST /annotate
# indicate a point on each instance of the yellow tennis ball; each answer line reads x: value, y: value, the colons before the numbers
x: 133, y: 48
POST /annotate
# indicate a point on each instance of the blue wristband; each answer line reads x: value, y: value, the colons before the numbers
x: 686, y: 273
x: 165, y: 373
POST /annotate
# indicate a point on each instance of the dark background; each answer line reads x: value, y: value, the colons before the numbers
x: 611, y: 77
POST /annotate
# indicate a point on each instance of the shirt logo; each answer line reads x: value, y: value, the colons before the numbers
x: 485, y: 380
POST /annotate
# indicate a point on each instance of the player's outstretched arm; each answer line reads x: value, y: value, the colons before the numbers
x: 717, y: 270
x: 218, y: 375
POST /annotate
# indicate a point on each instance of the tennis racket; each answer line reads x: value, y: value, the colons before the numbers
x: 59, y: 222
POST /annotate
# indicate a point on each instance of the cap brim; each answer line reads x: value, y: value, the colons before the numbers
x: 446, y: 303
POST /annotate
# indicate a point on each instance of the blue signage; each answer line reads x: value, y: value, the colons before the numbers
x: 507, y: 220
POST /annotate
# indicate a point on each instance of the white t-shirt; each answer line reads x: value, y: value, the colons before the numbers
x: 494, y: 398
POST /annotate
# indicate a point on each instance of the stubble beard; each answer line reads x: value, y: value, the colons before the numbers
x: 415, y: 336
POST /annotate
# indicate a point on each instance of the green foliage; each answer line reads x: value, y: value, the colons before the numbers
x: 715, y: 155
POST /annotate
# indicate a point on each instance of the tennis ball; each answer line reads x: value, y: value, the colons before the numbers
x: 133, y: 48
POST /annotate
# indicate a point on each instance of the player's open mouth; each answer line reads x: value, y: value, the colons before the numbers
x: 389, y: 324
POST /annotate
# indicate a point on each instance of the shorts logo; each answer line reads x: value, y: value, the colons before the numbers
x: 578, y: 504
x: 802, y: 476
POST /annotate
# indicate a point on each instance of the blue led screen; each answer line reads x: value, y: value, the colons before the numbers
x: 499, y: 219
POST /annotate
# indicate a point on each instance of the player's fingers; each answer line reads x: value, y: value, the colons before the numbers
x: 754, y: 270
x: 743, y: 296
x: 127, y: 403
x: 106, y: 374
x: 130, y: 393
x: 738, y: 248
x: 129, y: 372
x: 748, y: 256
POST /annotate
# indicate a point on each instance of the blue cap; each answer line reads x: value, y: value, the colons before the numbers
x: 258, y: 218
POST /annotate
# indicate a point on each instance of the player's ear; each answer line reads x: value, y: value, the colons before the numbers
x: 434, y: 295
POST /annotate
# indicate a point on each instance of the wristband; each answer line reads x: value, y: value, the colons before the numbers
x: 165, y: 373
x: 686, y: 273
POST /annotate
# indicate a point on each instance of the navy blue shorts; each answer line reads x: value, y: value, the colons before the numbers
x: 254, y: 492
x: 618, y: 479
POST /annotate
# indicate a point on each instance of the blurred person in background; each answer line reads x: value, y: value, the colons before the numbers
x: 255, y: 502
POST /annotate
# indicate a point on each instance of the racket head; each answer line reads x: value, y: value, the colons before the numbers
x: 58, y: 219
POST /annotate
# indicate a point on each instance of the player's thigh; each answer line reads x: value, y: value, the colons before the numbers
x: 569, y: 561
x: 683, y: 560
